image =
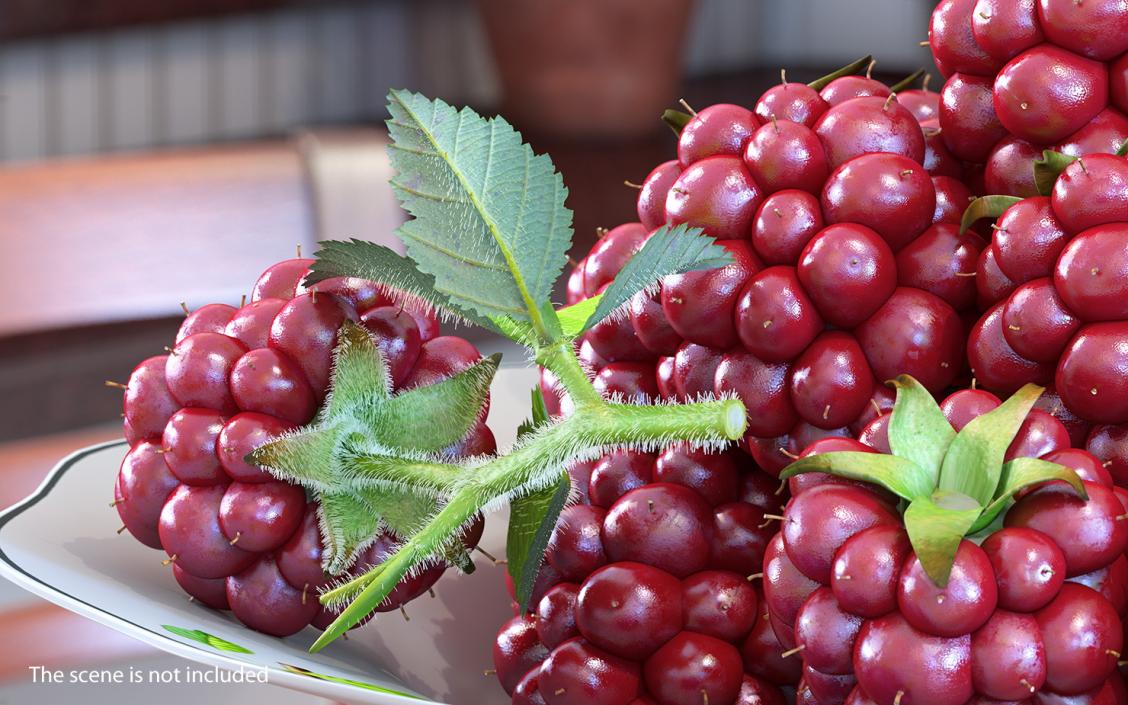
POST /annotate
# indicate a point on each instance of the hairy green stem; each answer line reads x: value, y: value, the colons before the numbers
x: 562, y: 362
x: 593, y: 428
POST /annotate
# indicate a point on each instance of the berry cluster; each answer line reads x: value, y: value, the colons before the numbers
x: 237, y: 377
x: 1032, y: 615
x: 1026, y: 76
x: 849, y: 267
x: 645, y: 596
x: 1058, y: 314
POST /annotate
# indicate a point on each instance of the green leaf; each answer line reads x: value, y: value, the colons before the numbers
x: 918, y: 429
x: 676, y: 120
x: 531, y: 521
x: 975, y: 458
x: 1049, y: 168
x: 396, y: 274
x: 489, y: 221
x: 986, y: 207
x: 519, y: 332
x: 1123, y: 151
x: 848, y: 70
x: 435, y: 416
x: 1021, y: 473
x: 668, y: 251
x: 540, y: 415
x: 900, y: 476
x: 907, y: 81
x: 573, y: 318
x: 936, y: 524
x: 207, y: 639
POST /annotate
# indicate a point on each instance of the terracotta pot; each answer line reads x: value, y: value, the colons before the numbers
x: 587, y: 68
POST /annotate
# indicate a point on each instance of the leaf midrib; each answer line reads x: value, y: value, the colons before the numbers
x: 532, y: 309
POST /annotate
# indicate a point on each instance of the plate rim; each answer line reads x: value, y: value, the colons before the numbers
x: 21, y: 577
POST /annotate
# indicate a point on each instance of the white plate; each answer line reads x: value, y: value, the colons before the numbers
x: 60, y: 544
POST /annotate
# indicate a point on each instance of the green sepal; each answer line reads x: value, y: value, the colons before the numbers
x: 569, y: 322
x: 907, y: 81
x: 918, y: 429
x: 1123, y: 151
x: 404, y: 512
x: 668, y: 251
x: 551, y: 321
x: 364, y: 469
x: 936, y: 525
x: 900, y: 476
x: 306, y: 457
x: 360, y: 372
x: 1021, y: 473
x: 1048, y: 168
x: 676, y: 120
x: 975, y: 458
x: 349, y: 456
x: 348, y: 525
x: 986, y: 207
x: 436, y: 416
x: 572, y: 318
x: 532, y: 519
x: 848, y: 70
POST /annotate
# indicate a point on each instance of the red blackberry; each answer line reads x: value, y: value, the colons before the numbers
x: 1062, y: 320
x: 835, y: 248
x: 236, y: 378
x: 1025, y: 76
x: 1031, y: 614
x: 654, y: 573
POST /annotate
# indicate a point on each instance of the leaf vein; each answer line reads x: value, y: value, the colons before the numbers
x: 449, y: 252
x: 428, y: 195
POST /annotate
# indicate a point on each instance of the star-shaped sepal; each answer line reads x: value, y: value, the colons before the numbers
x: 372, y: 458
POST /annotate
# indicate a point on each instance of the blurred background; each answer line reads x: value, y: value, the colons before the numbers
x: 159, y: 152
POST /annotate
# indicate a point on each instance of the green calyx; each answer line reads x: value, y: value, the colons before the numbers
x: 953, y: 484
x: 1047, y: 169
x: 986, y: 207
x: 854, y: 67
x: 487, y: 239
x: 365, y: 439
x: 1051, y: 164
x: 907, y: 82
x: 676, y: 120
